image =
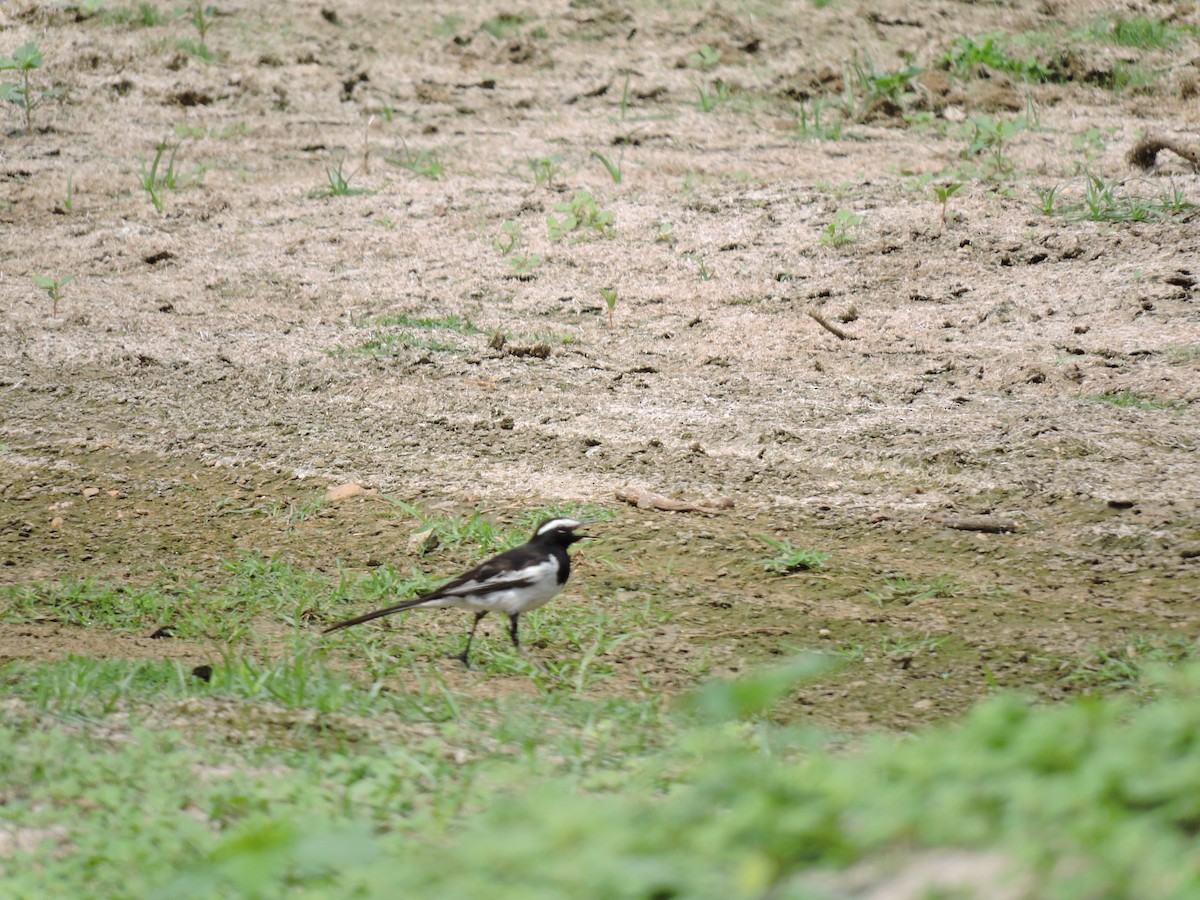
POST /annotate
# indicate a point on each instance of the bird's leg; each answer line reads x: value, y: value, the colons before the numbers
x: 464, y: 656
x: 513, y: 626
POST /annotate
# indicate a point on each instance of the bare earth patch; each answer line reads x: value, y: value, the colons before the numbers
x: 259, y: 340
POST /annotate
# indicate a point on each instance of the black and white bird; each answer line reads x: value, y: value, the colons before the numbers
x: 516, y: 581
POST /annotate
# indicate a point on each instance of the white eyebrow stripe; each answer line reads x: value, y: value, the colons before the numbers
x: 558, y: 523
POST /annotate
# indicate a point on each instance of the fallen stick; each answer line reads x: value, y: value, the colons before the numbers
x: 644, y: 499
x: 986, y: 524
x: 831, y: 328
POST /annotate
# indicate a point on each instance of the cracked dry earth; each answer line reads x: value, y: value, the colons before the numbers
x: 256, y: 342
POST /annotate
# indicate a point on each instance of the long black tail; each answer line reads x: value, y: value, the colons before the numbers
x: 379, y: 613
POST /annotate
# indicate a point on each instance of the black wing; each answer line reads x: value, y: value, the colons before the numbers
x: 496, y: 574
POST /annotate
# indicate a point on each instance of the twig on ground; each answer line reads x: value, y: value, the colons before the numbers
x: 831, y: 328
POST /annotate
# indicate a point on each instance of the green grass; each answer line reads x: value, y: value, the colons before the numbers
x: 337, y: 183
x: 422, y: 163
x: 788, y: 559
x: 809, y: 124
x: 1140, y: 32
x: 132, y: 778
x: 350, y: 765
x: 155, y: 179
x: 906, y: 591
x: 392, y: 333
x: 453, y: 322
x: 580, y: 218
x: 1182, y: 354
x: 1126, y: 399
x: 990, y: 52
x: 1113, y: 201
x: 842, y: 229
x: 1125, y: 666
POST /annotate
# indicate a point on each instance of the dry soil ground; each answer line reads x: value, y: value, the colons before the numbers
x: 266, y: 336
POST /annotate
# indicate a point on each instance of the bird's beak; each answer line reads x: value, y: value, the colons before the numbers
x: 583, y: 523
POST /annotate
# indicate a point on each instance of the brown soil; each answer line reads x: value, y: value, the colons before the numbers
x: 220, y: 353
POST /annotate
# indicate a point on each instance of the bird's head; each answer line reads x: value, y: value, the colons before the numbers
x: 561, y: 530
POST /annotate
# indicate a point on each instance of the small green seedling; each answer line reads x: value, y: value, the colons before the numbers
x: 944, y: 192
x: 67, y: 203
x: 423, y: 163
x: 338, y: 183
x: 580, y: 213
x: 511, y: 237
x: 523, y: 264
x: 201, y: 18
x: 24, y: 60
x: 701, y: 268
x: 712, y: 95
x: 809, y: 125
x: 788, y: 559
x: 614, y: 168
x: 545, y: 169
x: 704, y: 58
x: 840, y: 231
x: 989, y: 138
x: 53, y: 288
x: 666, y: 233
x: 152, y: 182
x: 1047, y: 198
x: 610, y: 300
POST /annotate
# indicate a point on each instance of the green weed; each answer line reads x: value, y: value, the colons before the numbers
x: 228, y: 132
x: 905, y: 591
x: 989, y: 138
x: 702, y: 270
x: 1124, y: 666
x: 1110, y: 201
x: 423, y: 163
x: 1182, y: 354
x: 24, y: 93
x: 712, y: 94
x: 966, y: 55
x: 546, y: 170
x: 809, y: 125
x: 522, y: 265
x: 841, y: 229
x: 504, y: 26
x: 1126, y: 399
x: 510, y: 238
x: 705, y: 57
x: 337, y: 183
x: 1091, y: 144
x: 1128, y: 75
x: 788, y: 559
x: 475, y: 532
x: 155, y: 179
x: 580, y: 214
x: 53, y: 286
x: 609, y: 295
x: 943, y: 193
x: 452, y: 322
x: 613, y: 168
x: 1141, y: 32
x: 866, y: 90
x: 143, y: 15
